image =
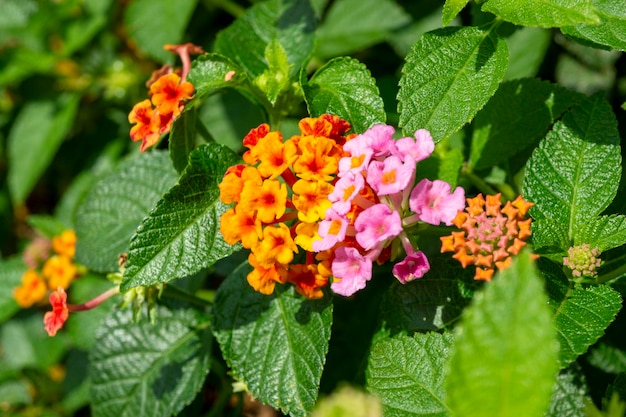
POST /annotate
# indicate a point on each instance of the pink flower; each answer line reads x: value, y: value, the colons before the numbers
x: 414, y: 266
x: 380, y: 140
x: 418, y: 149
x: 433, y: 203
x: 390, y: 176
x: 353, y: 270
x: 345, y: 190
x: 360, y: 156
x: 376, y: 224
x: 332, y: 230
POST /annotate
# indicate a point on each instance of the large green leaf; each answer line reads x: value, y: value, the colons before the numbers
x: 505, y: 360
x: 573, y: 175
x: 210, y: 72
x: 155, y: 23
x: 275, y: 344
x: 544, y: 13
x: 527, y: 50
x: 115, y: 206
x: 608, y: 358
x: 291, y: 22
x: 36, y: 135
x: 569, y: 395
x: 345, y: 87
x: 11, y: 271
x: 448, y: 76
x: 516, y: 117
x: 353, y: 25
x: 144, y: 369
x: 182, y: 139
x: 603, y: 232
x: 610, y: 32
x: 407, y: 374
x: 181, y: 235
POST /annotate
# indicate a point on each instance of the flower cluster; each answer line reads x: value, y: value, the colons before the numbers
x: 490, y: 234
x: 168, y: 91
x: 582, y: 260
x: 46, y: 270
x: 337, y: 201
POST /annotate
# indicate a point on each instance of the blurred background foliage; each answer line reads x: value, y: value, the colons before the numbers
x: 71, y: 70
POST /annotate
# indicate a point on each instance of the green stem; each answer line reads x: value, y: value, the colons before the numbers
x: 174, y: 292
x: 478, y: 182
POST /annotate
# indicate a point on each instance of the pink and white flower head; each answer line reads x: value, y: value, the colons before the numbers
x: 419, y: 148
x: 377, y: 224
x: 414, y: 266
x: 359, y: 159
x: 332, y: 230
x: 390, y: 176
x: 353, y: 270
x: 380, y: 140
x: 433, y: 203
x: 346, y: 188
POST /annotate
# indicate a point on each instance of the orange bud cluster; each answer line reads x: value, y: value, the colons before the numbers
x: 490, y: 234
x: 280, y: 195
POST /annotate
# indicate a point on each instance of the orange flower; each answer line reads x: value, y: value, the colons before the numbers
x: 276, y: 246
x: 318, y: 160
x: 167, y: 94
x: 264, y: 279
x: 238, y: 226
x: 147, y: 127
x: 65, y: 244
x: 275, y: 156
x: 270, y: 200
x: 308, y: 280
x: 311, y: 199
x: 59, y: 271
x: 32, y: 290
x: 54, y: 320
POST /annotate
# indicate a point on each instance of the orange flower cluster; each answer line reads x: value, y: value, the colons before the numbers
x: 490, y: 234
x: 57, y: 271
x: 168, y: 91
x: 280, y: 195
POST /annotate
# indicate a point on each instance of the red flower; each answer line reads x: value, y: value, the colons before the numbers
x: 54, y: 320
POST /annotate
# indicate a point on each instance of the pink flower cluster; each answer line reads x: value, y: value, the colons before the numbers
x: 375, y: 200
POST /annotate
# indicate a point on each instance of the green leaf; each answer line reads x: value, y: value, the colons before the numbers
x: 573, y: 175
x: 275, y: 344
x: 155, y: 23
x: 451, y: 9
x: 345, y: 87
x: 424, y: 304
x: 353, y: 25
x: 182, y: 139
x: 609, y: 33
x: 291, y: 22
x: 569, y: 394
x: 181, y: 235
x: 603, y: 232
x: 115, y: 206
x: 504, y: 361
x: 275, y: 79
x: 36, y: 135
x: 527, y: 50
x: 609, y: 359
x: 144, y: 369
x: 581, y: 317
x: 11, y: 271
x: 543, y: 13
x: 407, y: 374
x: 516, y: 117
x: 551, y: 234
x: 211, y: 72
x: 47, y: 226
x: 448, y: 76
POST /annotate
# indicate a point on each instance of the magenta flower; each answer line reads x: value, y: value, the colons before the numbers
x: 353, y: 270
x: 332, y: 230
x: 433, y: 203
x: 414, y: 266
x: 390, y: 176
x: 377, y: 224
x: 419, y: 148
x: 345, y: 190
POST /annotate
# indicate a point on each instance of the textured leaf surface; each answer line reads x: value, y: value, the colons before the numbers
x: 115, y: 206
x: 603, y: 232
x: 141, y: 369
x: 527, y: 50
x: 11, y: 271
x: 182, y: 139
x: 544, y: 13
x: 448, y: 76
x: 154, y: 23
x: 209, y: 73
x: 505, y: 360
x: 569, y: 395
x: 181, y: 235
x: 275, y: 344
x: 610, y: 32
x: 451, y: 9
x: 345, y: 87
x: 573, y: 175
x: 516, y: 117
x: 36, y: 135
x: 608, y: 358
x: 291, y: 22
x: 352, y: 25
x: 407, y: 374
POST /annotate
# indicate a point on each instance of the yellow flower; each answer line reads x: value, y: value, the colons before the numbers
x: 311, y: 199
x: 65, y: 244
x: 59, y: 271
x: 32, y: 290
